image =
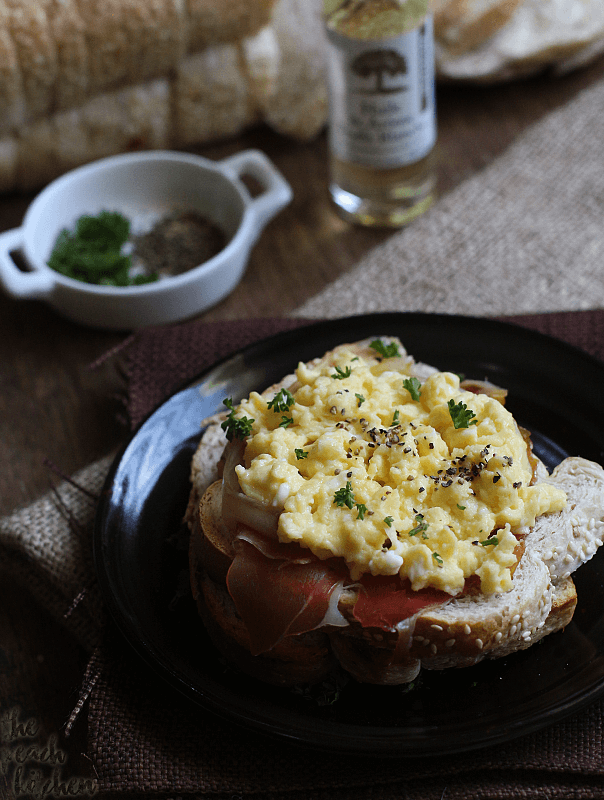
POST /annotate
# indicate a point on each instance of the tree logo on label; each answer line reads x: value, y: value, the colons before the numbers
x: 380, y: 63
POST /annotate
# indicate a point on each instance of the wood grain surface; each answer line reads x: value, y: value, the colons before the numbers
x: 54, y: 408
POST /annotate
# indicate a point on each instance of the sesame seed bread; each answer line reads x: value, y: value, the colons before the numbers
x: 459, y: 633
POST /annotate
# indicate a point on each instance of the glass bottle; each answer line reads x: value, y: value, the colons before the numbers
x: 382, y: 120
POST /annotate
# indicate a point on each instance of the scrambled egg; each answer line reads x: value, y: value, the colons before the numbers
x: 367, y: 464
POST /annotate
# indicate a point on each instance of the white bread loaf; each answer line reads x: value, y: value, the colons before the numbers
x: 56, y: 54
x: 494, y: 40
x: 462, y: 632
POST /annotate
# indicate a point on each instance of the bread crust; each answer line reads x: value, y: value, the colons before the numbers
x: 460, y: 633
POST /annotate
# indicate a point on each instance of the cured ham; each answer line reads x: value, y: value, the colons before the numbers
x: 281, y: 590
x: 277, y: 597
x: 385, y: 600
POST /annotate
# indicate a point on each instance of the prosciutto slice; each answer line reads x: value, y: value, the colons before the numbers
x: 385, y: 600
x: 277, y: 597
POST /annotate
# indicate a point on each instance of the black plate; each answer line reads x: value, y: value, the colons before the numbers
x: 554, y: 390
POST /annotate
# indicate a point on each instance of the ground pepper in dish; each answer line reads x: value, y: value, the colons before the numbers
x: 178, y: 242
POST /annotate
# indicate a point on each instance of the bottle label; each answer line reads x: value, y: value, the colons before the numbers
x: 382, y: 105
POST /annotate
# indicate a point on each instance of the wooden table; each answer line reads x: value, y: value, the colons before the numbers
x: 50, y: 410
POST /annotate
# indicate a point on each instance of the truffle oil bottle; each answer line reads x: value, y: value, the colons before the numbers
x: 382, y: 119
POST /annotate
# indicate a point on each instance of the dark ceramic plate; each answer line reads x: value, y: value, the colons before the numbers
x: 554, y: 390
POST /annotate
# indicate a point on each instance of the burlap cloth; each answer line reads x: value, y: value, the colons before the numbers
x: 525, y: 235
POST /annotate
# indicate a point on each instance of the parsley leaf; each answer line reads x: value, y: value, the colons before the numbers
x: 461, y: 415
x: 491, y: 540
x: 437, y: 558
x: 281, y: 401
x: 412, y: 385
x: 344, y: 497
x: 461, y: 508
x: 360, y: 398
x: 420, y: 527
x: 340, y: 373
x: 286, y: 421
x: 395, y: 419
x: 389, y: 521
x: 235, y: 428
x: 386, y: 350
x: 93, y: 251
x: 300, y: 453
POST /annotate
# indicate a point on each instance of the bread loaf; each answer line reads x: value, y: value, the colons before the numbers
x: 495, y: 40
x: 56, y: 54
x: 215, y: 93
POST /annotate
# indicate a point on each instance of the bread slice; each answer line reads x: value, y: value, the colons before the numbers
x: 460, y: 633
x: 463, y: 25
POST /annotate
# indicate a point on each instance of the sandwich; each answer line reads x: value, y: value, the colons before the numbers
x: 372, y: 513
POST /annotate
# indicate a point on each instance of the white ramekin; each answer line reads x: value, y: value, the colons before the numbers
x: 147, y: 184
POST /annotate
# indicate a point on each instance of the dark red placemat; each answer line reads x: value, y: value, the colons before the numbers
x: 145, y: 738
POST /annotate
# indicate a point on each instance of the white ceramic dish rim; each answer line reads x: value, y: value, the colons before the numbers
x: 248, y: 229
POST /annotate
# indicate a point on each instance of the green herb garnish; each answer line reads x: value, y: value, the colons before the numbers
x: 300, y: 453
x: 420, y: 527
x: 360, y: 398
x: 235, y: 427
x: 395, y: 419
x: 412, y: 385
x: 461, y: 415
x: 389, y: 521
x: 344, y: 497
x: 286, y: 421
x: 283, y: 400
x: 92, y: 253
x: 340, y: 373
x: 385, y: 350
x: 461, y: 508
x: 491, y: 540
x: 437, y: 558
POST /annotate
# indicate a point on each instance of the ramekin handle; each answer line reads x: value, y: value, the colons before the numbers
x: 277, y: 192
x: 34, y: 284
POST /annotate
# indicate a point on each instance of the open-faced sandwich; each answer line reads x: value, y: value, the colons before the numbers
x: 374, y: 512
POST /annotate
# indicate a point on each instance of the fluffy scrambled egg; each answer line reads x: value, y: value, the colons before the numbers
x: 425, y: 480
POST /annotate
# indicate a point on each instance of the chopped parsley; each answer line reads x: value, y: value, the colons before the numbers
x: 340, y: 373
x: 286, y: 421
x: 437, y: 558
x: 94, y: 251
x: 421, y: 526
x: 461, y: 415
x: 389, y: 521
x: 385, y: 350
x: 300, y: 453
x: 283, y: 400
x: 235, y: 427
x: 360, y: 398
x: 345, y: 497
x: 395, y: 419
x: 491, y: 540
x: 413, y: 386
x: 461, y: 508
